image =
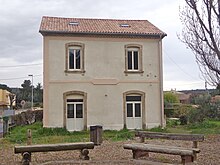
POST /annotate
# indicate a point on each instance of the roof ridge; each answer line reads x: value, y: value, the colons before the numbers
x: 108, y: 19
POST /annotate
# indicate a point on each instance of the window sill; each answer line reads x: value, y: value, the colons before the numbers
x: 133, y: 72
x: 75, y: 71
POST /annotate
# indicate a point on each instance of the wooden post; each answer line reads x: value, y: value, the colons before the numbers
x: 29, y: 142
x: 26, y: 158
x: 84, y: 154
x: 29, y: 137
x: 195, y: 145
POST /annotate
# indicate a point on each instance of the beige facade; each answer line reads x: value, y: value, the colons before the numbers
x: 104, y: 72
x: 104, y: 82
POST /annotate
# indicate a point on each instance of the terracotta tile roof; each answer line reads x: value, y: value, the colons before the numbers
x: 99, y: 26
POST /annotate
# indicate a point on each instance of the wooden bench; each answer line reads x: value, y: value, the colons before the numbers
x: 27, y: 150
x: 187, y: 154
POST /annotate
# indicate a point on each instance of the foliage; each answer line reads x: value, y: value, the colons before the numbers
x: 208, y: 111
x: 170, y: 102
x: 38, y: 94
x: 183, y: 120
x: 178, y: 110
x: 5, y: 87
x: 170, y: 97
x: 203, y: 99
x: 205, y: 127
x: 172, y: 122
x: 200, y: 19
x: 183, y: 110
x: 25, y: 93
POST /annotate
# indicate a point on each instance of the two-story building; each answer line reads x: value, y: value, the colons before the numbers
x: 102, y: 72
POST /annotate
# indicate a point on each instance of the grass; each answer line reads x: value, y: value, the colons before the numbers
x: 206, y: 127
x: 40, y: 135
x: 45, y: 135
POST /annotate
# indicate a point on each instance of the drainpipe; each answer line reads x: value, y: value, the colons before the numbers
x: 161, y: 82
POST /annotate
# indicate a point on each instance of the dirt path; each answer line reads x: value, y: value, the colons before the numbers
x: 113, y: 153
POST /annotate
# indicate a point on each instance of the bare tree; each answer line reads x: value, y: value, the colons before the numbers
x: 201, y: 33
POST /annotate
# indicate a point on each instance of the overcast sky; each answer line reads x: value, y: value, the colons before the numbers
x: 21, y: 43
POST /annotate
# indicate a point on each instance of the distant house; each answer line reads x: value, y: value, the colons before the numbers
x: 215, y: 99
x: 102, y: 72
x: 4, y: 99
x: 5, y: 103
x: 184, y: 98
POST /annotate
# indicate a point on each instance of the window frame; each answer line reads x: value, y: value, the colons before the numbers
x: 77, y: 46
x: 143, y: 113
x: 74, y: 103
x: 75, y: 95
x: 133, y: 48
x: 134, y: 102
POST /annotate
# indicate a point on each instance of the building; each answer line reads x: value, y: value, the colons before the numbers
x: 102, y: 72
x: 5, y: 105
x: 5, y: 101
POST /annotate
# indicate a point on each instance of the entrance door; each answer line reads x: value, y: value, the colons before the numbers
x: 75, y: 113
x: 133, y: 112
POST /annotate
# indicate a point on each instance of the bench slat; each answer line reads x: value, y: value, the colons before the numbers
x: 170, y: 136
x: 160, y: 149
x: 54, y: 147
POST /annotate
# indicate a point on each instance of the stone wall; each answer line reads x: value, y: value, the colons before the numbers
x: 27, y: 117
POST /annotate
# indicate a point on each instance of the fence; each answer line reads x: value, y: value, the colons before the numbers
x: 9, y: 119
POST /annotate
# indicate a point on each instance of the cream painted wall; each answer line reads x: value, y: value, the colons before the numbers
x: 104, y: 60
x: 105, y: 103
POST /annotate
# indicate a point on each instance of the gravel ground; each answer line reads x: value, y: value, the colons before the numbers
x: 113, y: 153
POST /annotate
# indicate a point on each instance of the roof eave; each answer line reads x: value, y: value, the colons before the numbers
x: 48, y: 33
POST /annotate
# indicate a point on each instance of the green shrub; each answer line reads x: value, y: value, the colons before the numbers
x: 172, y: 122
x: 205, y: 124
x: 205, y: 127
x: 169, y: 112
x: 205, y: 111
x: 183, y: 120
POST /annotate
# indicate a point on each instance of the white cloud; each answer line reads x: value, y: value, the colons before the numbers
x: 20, y: 42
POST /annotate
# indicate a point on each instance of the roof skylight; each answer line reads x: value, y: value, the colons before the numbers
x: 74, y: 23
x: 124, y: 25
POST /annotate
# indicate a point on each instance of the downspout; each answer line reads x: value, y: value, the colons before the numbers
x: 162, y: 123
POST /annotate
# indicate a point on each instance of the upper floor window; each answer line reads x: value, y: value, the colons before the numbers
x: 75, y: 57
x: 133, y: 58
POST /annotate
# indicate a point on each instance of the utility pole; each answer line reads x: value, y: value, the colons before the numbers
x: 32, y: 90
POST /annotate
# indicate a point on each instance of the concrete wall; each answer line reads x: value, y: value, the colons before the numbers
x: 104, y: 80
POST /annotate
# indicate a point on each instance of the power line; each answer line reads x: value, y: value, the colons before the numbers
x: 16, y: 78
x: 179, y: 66
x: 16, y: 66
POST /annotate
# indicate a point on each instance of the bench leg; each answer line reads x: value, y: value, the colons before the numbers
x: 26, y: 158
x: 139, y: 153
x: 84, y: 154
x: 186, y: 159
x: 194, y: 156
